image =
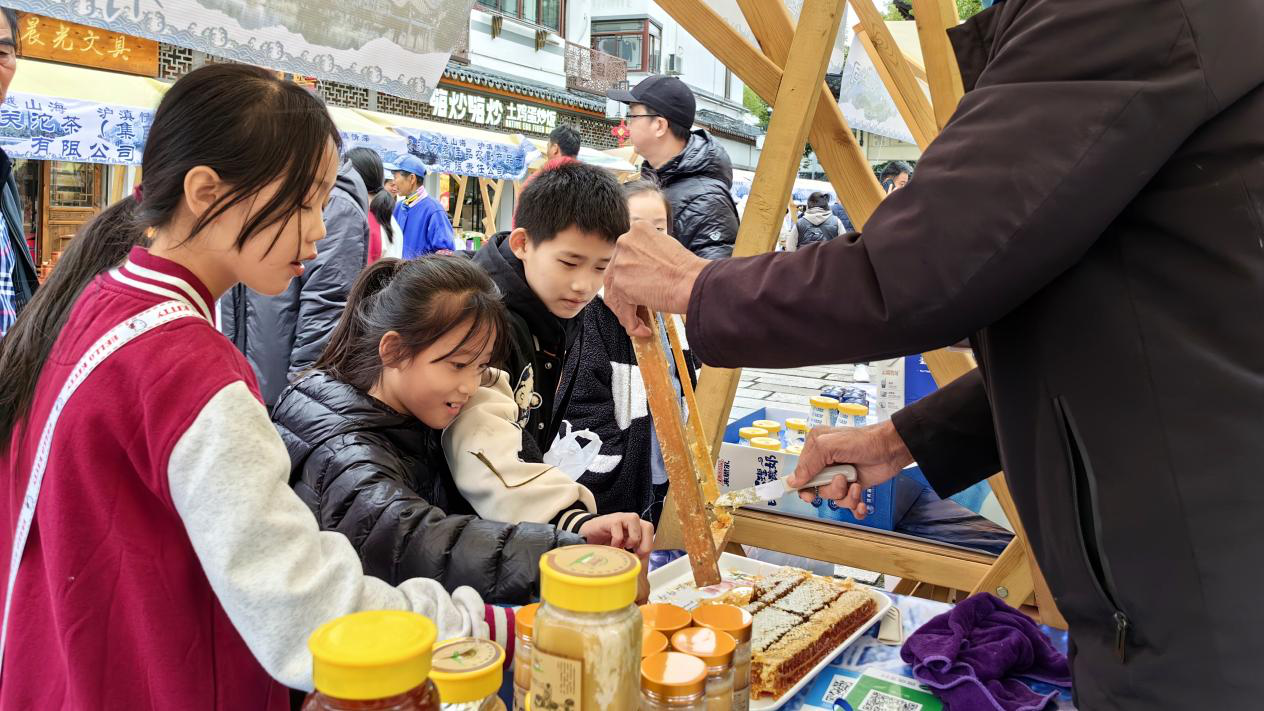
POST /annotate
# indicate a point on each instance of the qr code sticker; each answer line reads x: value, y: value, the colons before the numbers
x: 878, y: 701
x: 838, y: 688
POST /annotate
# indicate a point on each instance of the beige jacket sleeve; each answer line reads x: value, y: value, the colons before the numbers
x: 482, y: 446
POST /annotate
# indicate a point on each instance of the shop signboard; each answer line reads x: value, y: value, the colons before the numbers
x: 395, y: 46
x: 47, y: 128
x: 71, y: 43
x: 492, y: 112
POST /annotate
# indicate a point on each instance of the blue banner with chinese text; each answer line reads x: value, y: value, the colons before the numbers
x: 470, y: 156
x: 49, y: 128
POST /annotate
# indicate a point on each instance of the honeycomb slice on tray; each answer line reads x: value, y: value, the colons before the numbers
x: 798, y: 619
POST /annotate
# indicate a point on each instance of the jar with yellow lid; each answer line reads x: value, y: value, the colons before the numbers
x: 768, y: 443
x: 773, y: 428
x: 670, y: 680
x: 377, y: 660
x: 795, y: 449
x: 852, y: 414
x: 468, y: 673
x: 716, y: 649
x: 524, y: 619
x: 746, y: 434
x: 666, y: 618
x: 652, y: 642
x: 796, y: 431
x: 587, y: 631
x: 736, y: 623
x: 823, y: 411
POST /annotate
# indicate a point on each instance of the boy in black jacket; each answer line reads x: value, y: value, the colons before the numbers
x: 549, y: 268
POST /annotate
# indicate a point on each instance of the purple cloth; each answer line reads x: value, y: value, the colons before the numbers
x: 972, y: 656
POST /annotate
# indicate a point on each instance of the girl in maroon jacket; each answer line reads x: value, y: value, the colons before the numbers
x: 160, y: 560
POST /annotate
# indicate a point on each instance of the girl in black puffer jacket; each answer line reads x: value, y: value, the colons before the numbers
x: 363, y: 429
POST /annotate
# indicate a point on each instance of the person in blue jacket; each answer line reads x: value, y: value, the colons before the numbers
x: 424, y: 221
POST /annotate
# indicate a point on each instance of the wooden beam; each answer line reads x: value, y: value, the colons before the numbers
x: 858, y: 547
x: 1010, y: 577
x: 694, y: 432
x: 682, y: 474
x: 711, y: 30
x: 1048, y: 607
x: 1040, y: 587
x: 906, y: 586
x: 118, y: 181
x: 717, y: 387
x: 491, y: 190
x: 500, y: 193
x: 463, y: 181
x: 696, y: 437
x: 667, y: 536
x: 841, y: 156
x: 948, y: 364
x: 798, y: 96
x: 896, y: 72
x: 934, y: 17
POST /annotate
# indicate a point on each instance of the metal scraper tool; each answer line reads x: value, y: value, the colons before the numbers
x: 773, y: 490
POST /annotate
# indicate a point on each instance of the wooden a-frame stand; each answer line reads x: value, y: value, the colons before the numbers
x: 787, y: 70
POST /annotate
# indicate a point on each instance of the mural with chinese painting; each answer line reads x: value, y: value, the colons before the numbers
x: 43, y: 128
x: 864, y: 99
x: 396, y: 46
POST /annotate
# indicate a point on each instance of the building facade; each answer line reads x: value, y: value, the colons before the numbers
x: 524, y: 67
x: 587, y: 46
x: 642, y: 33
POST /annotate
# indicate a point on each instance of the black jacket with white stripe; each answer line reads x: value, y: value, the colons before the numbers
x: 607, y: 397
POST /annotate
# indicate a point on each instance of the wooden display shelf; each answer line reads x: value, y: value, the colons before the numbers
x: 875, y: 550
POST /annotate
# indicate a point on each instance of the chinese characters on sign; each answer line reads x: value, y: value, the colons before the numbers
x: 45, y: 38
x: 492, y: 112
x: 766, y: 472
x: 39, y: 128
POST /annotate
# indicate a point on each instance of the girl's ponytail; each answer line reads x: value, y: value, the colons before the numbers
x: 348, y: 355
x: 100, y: 245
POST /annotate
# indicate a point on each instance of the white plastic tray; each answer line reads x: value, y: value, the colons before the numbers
x: 673, y: 583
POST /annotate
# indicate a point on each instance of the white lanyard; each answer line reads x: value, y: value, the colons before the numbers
x: 115, y: 339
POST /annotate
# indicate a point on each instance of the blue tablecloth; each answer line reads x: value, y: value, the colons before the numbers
x: 868, y: 653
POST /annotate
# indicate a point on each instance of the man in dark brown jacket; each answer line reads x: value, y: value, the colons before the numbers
x: 1093, y: 217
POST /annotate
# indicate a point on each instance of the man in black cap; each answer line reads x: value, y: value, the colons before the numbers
x: 692, y: 168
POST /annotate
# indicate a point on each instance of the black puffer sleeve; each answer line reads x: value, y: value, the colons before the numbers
x: 361, y: 489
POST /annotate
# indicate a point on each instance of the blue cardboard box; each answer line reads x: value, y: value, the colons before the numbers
x: 738, y: 466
